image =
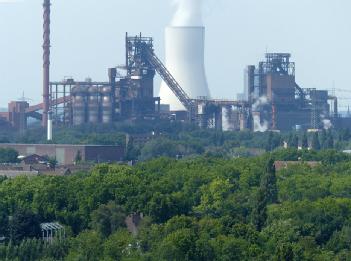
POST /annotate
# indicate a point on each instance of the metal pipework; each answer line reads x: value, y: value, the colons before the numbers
x: 46, y: 62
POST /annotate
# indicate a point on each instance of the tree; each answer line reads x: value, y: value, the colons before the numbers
x: 228, y: 248
x: 267, y: 193
x: 290, y: 140
x: 119, y: 245
x: 315, y: 142
x: 86, y: 246
x: 259, y: 212
x: 295, y: 142
x: 3, y: 220
x: 285, y: 252
x: 269, y: 183
x: 24, y: 224
x: 179, y: 245
x: 323, y: 139
x: 132, y: 151
x: 329, y: 142
x: 304, y: 142
x: 108, y: 218
x: 269, y: 145
x: 158, y: 148
x: 8, y: 155
x: 214, y: 196
x: 344, y: 134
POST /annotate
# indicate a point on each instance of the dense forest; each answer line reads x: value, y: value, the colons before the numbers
x: 198, y: 208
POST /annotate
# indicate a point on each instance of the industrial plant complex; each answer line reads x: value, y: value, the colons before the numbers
x: 271, y: 100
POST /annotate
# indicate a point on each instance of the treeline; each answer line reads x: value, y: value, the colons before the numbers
x: 8, y: 155
x: 177, y: 140
x: 206, y: 208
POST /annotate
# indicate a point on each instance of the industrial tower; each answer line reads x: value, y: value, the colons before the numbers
x: 46, y: 63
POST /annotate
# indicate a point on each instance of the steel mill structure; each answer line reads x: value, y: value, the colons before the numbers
x: 279, y: 103
x: 129, y: 94
x: 272, y: 100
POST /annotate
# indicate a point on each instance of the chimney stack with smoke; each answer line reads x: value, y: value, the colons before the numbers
x: 185, y: 47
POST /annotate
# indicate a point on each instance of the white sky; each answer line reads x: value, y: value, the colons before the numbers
x: 88, y: 37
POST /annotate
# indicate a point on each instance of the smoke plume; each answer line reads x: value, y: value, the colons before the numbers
x: 189, y: 13
x: 263, y: 100
x: 258, y: 126
x: 327, y: 124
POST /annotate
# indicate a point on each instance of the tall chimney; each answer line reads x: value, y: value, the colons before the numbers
x: 185, y: 49
x: 46, y: 63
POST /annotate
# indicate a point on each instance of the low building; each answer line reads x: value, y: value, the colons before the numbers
x: 17, y: 173
x: 140, y: 139
x: 279, y: 165
x: 68, y: 154
x: 34, y: 159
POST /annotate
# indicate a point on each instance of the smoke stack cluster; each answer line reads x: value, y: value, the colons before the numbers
x: 185, y: 48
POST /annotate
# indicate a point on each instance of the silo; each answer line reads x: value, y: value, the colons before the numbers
x: 106, y: 97
x: 93, y: 105
x: 79, y: 104
x: 185, y: 46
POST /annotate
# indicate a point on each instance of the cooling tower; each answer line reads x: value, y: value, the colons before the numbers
x: 185, y: 48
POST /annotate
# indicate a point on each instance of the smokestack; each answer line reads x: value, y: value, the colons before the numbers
x: 185, y: 60
x: 46, y: 62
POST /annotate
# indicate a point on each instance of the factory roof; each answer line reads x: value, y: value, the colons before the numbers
x: 64, y: 145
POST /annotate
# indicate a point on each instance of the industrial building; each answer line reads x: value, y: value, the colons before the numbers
x: 272, y: 99
x: 67, y: 154
x: 279, y: 103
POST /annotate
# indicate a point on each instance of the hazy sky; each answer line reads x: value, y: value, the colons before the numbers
x: 88, y: 37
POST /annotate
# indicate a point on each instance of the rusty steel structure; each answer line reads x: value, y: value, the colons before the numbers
x: 129, y: 95
x: 272, y: 97
x: 279, y: 103
x: 46, y: 62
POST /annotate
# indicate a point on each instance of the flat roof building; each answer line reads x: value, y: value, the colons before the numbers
x: 66, y: 154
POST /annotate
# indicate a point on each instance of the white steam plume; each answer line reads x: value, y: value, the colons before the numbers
x: 258, y: 126
x: 327, y: 124
x: 263, y: 100
x: 189, y: 13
